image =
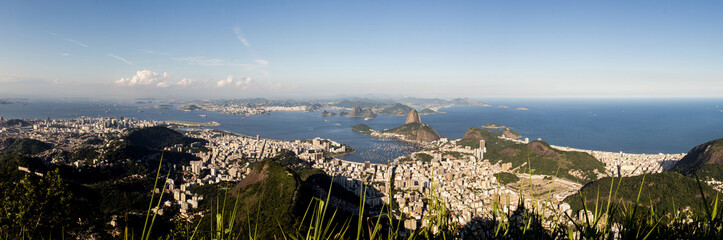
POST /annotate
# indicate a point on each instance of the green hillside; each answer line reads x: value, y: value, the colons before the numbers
x: 278, y: 189
x: 327, y: 113
x: 276, y: 193
x: 25, y: 146
x: 9, y: 167
x: 705, y: 160
x: 62, y: 200
x: 509, y: 133
x: 396, y: 109
x: 505, y: 177
x: 158, y: 137
x: 667, y: 192
x: 14, y: 123
x: 415, y: 131
x: 427, y: 111
x: 362, y: 128
x: 189, y: 107
x: 577, y: 166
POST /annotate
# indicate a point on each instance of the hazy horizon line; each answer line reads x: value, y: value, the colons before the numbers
x: 378, y: 98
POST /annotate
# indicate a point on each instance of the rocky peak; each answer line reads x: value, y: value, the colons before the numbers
x: 361, y: 113
x: 356, y: 111
x: 413, y: 117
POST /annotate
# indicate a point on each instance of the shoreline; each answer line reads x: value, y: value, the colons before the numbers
x: 568, y: 149
x: 193, y: 124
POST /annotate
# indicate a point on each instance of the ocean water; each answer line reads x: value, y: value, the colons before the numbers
x: 633, y: 126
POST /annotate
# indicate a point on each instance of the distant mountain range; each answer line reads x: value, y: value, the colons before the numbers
x: 396, y: 109
x: 358, y: 112
x: 390, y: 106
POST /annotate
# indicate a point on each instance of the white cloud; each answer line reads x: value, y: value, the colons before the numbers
x: 185, y: 82
x: 241, y: 81
x: 244, y: 81
x: 154, y: 79
x: 163, y: 84
x: 65, y: 54
x: 225, y: 82
x: 76, y: 42
x: 69, y: 40
x: 119, y: 58
x: 240, y: 37
x: 145, y: 78
x: 261, y: 62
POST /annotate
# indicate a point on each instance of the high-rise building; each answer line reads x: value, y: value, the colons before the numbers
x: 479, y: 152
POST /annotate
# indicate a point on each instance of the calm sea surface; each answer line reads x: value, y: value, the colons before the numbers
x: 633, y: 126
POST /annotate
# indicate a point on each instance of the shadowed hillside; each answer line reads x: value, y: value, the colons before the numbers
x: 24, y: 146
x: 705, y: 160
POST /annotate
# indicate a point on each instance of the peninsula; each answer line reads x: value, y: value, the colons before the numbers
x: 412, y: 131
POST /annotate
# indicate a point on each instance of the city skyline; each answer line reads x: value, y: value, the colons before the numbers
x: 324, y: 49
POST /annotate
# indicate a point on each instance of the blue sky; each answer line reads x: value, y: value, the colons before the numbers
x: 219, y: 49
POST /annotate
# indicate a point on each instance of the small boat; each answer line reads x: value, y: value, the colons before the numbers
x: 202, y: 115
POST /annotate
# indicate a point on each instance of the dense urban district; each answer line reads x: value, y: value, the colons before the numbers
x: 101, y: 173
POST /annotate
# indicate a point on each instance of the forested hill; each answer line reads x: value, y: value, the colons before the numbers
x: 543, y: 159
x: 705, y: 161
